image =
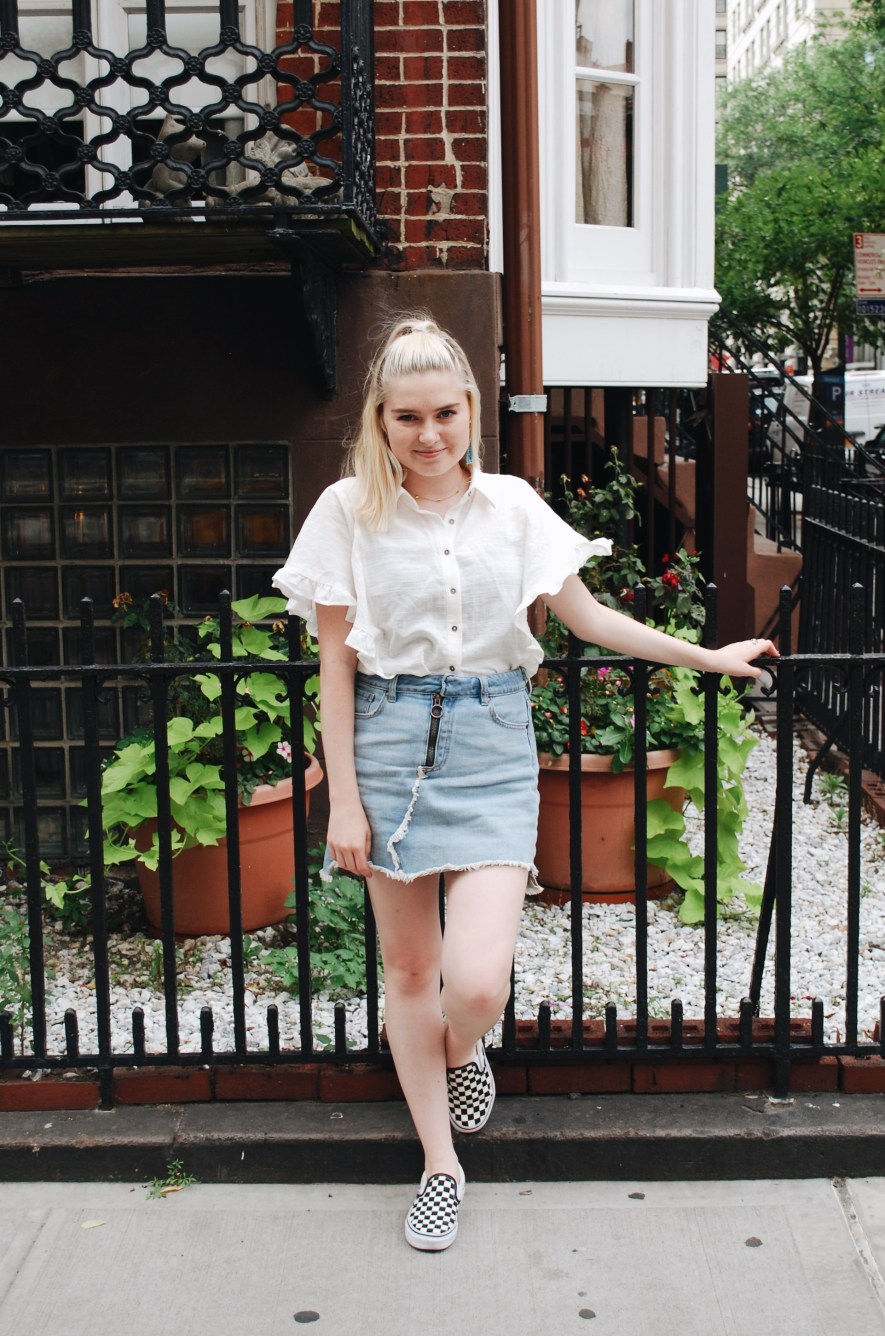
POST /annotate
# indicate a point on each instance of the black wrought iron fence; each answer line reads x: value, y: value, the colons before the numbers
x: 794, y: 442
x: 197, y: 114
x: 844, y: 549
x: 581, y: 1037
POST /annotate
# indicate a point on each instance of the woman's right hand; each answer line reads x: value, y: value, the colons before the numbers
x: 349, y: 838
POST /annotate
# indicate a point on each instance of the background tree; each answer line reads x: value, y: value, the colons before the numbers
x: 804, y: 146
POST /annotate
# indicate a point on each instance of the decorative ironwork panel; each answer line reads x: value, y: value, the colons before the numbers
x: 183, y: 115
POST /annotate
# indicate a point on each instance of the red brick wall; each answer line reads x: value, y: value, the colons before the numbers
x: 432, y: 154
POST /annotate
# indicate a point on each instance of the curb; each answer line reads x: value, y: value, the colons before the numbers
x: 597, y: 1137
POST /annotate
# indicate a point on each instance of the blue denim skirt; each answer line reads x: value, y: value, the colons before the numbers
x: 447, y: 770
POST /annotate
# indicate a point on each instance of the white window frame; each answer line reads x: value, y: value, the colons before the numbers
x: 628, y: 306
x: 579, y: 250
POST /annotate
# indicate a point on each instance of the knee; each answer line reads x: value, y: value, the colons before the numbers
x: 411, y: 973
x: 481, y: 996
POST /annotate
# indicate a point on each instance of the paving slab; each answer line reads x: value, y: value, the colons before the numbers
x: 772, y: 1258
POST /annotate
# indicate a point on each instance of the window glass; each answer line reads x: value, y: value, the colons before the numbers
x: 604, y: 34
x: 605, y: 154
x: 605, y: 105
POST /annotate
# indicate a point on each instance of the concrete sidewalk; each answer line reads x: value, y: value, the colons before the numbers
x: 770, y: 1258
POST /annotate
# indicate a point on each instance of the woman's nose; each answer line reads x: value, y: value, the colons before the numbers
x: 428, y: 432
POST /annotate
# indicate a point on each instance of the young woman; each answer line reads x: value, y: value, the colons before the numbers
x: 416, y: 572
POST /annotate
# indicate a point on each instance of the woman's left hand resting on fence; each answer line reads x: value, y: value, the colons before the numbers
x: 593, y: 622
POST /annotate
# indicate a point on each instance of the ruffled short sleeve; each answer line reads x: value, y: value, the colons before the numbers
x: 319, y: 569
x: 552, y: 550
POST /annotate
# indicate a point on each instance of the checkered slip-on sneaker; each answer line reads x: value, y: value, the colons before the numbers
x: 432, y: 1222
x: 471, y: 1092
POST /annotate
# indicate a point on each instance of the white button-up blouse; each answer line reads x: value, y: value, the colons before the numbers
x: 436, y: 593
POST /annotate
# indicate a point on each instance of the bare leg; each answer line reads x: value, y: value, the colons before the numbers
x: 411, y: 946
x: 483, y: 909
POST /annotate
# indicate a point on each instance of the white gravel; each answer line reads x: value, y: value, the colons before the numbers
x: 543, y: 958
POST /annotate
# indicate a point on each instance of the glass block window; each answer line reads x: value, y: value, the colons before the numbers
x: 92, y: 522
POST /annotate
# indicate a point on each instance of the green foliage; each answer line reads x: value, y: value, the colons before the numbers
x: 337, y: 947
x: 835, y: 793
x: 173, y: 1180
x: 804, y: 145
x: 195, y: 746
x: 185, y: 956
x: 675, y: 705
x: 15, y: 978
x: 667, y: 847
x: 68, y: 898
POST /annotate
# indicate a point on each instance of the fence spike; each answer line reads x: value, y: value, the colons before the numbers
x: 273, y: 1030
x: 611, y: 1027
x: 7, y: 1037
x: 340, y: 1030
x: 207, y: 1031
x: 817, y: 1022
x: 544, y: 1027
x: 138, y: 1044
x: 72, y: 1034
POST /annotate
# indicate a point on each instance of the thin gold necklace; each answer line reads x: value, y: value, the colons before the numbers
x: 447, y: 497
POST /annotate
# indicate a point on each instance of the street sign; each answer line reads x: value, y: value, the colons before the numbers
x: 869, y: 272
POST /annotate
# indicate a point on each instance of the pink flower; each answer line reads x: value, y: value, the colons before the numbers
x: 284, y: 749
x: 603, y: 672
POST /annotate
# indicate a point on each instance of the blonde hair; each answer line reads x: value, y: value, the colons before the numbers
x: 413, y: 344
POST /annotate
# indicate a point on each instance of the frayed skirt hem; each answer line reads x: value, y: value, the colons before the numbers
x: 330, y: 868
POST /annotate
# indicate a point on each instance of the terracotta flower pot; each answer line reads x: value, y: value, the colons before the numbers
x: 267, y: 867
x: 607, y: 827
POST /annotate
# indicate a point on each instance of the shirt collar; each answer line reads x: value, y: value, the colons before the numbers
x: 479, y: 482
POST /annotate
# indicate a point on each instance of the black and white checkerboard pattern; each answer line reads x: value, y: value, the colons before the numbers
x: 471, y: 1093
x: 432, y: 1221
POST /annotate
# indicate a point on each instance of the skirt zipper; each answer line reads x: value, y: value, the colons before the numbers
x: 436, y: 714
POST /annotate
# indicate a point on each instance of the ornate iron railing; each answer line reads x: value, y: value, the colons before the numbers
x: 173, y: 121
x: 46, y: 1033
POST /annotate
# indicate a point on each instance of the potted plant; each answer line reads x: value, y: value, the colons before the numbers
x: 265, y: 749
x: 675, y: 728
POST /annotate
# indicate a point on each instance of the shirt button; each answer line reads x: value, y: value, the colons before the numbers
x: 453, y: 591
x: 445, y: 551
x: 454, y: 628
x: 451, y: 521
x: 451, y: 667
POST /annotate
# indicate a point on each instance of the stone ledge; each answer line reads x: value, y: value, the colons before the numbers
x: 592, y: 1137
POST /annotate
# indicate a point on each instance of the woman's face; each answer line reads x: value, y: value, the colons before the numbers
x: 427, y: 420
